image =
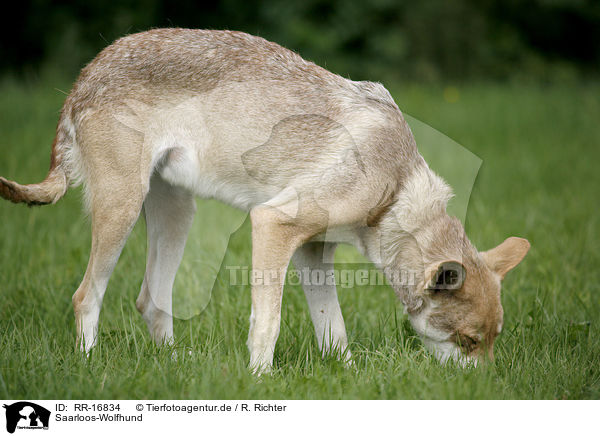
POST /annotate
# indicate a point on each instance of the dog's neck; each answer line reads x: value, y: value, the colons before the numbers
x: 414, y: 233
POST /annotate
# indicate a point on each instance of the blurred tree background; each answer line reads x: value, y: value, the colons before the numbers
x: 542, y: 40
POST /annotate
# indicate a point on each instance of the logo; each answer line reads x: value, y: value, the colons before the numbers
x: 26, y: 415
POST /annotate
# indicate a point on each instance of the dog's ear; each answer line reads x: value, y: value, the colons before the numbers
x: 507, y: 255
x: 448, y: 276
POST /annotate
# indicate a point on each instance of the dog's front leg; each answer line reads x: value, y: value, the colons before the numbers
x: 275, y: 237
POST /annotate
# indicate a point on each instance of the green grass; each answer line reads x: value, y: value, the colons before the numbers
x: 539, y: 179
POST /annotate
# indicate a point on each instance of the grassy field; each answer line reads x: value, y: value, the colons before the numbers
x: 540, y: 148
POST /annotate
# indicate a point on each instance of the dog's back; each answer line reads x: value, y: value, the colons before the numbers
x: 233, y: 116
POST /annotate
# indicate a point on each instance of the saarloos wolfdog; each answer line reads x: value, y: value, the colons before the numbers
x: 163, y: 116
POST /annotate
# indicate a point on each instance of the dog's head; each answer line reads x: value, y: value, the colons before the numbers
x: 461, y: 314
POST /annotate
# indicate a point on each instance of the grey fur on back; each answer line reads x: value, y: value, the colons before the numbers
x: 169, y: 66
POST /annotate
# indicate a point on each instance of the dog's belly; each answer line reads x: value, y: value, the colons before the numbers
x: 227, y: 181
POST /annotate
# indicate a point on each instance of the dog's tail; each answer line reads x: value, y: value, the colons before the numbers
x: 52, y: 189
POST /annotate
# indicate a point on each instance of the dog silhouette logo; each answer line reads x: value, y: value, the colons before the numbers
x: 26, y: 415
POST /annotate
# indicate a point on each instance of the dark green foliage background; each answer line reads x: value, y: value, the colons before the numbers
x: 378, y: 39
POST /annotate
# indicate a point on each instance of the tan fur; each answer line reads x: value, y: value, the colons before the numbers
x: 163, y: 115
x: 49, y: 191
x: 507, y: 255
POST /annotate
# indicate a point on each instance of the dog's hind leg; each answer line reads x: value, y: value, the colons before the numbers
x: 169, y: 213
x: 117, y: 167
x: 313, y: 261
x: 114, y: 213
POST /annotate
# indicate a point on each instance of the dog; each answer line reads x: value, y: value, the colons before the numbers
x: 163, y: 116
